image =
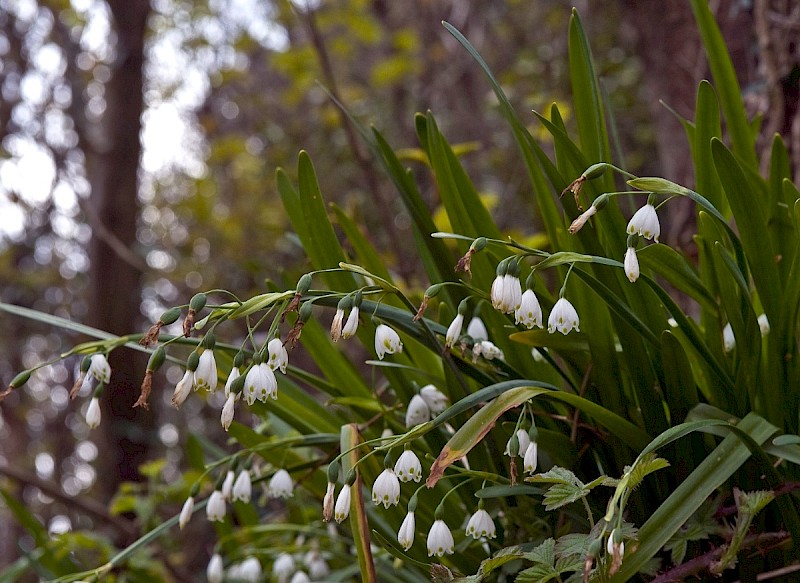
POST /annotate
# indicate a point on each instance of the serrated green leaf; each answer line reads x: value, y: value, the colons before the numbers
x: 560, y: 495
x: 544, y: 553
x: 644, y: 466
x: 557, y: 475
x: 573, y: 544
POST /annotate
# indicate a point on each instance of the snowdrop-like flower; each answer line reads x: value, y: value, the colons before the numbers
x: 182, y: 389
x: 205, y: 377
x: 260, y: 383
x: 529, y: 312
x: 644, y: 222
x: 387, y: 341
x: 434, y: 398
x: 351, y: 325
x: 578, y: 223
x: 186, y: 512
x: 763, y: 324
x: 227, y: 411
x: 454, y: 331
x: 563, y: 317
x: 440, y: 539
x: 531, y: 457
x: 278, y: 355
x: 93, y: 413
x: 214, y: 571
x: 477, y: 329
x: 250, y: 570
x: 280, y: 485
x: 235, y: 374
x: 283, y: 567
x: 386, y: 489
x: 537, y: 354
x: 336, y: 325
x: 318, y: 569
x: 327, y: 502
x: 615, y: 548
x: 506, y: 293
x: 728, y: 339
x: 481, y: 524
x: 300, y: 577
x: 227, y: 484
x: 631, y: 264
x: 99, y: 368
x: 215, y: 509
x: 522, y: 439
x: 488, y: 350
x: 405, y: 536
x: 417, y: 412
x: 408, y: 467
x: 342, y: 509
x: 242, y: 487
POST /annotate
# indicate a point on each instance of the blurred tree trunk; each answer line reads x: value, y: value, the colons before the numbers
x: 114, y: 289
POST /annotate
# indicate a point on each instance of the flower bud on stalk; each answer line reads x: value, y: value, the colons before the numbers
x: 155, y: 362
x: 197, y: 303
x: 85, y: 363
x: 465, y: 263
x: 302, y: 287
x: 167, y: 318
x: 16, y: 383
x: 306, y: 310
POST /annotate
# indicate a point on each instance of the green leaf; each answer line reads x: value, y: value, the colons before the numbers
x: 644, y: 466
x: 544, y: 553
x: 673, y: 267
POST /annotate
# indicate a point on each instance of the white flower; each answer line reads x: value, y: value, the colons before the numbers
x: 477, y: 329
x: 631, y: 264
x: 227, y: 411
x: 506, y: 293
x: 523, y: 440
x: 763, y: 324
x: 235, y: 374
x: 99, y: 368
x: 529, y: 312
x: 215, y: 509
x: 300, y: 577
x: 434, y: 398
x: 205, y: 377
x: 283, y: 567
x: 454, y: 331
x: 93, y: 413
x: 405, y: 536
x: 351, y: 325
x: 488, y: 350
x: 260, y: 383
x: 242, y: 487
x: 531, y: 457
x: 408, y: 467
x: 481, y: 524
x: 278, y: 355
x: 644, y: 222
x: 327, y: 502
x: 386, y: 489
x: 537, y: 354
x: 417, y: 412
x: 186, y: 512
x: 440, y: 539
x: 280, y: 485
x: 615, y: 548
x: 581, y: 220
x: 250, y: 570
x: 342, y: 504
x: 728, y: 339
x: 387, y: 341
x: 318, y: 569
x: 214, y: 571
x: 336, y: 325
x: 563, y: 317
x: 227, y: 484
x: 182, y: 389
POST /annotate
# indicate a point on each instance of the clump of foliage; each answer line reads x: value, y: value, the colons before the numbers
x: 541, y: 412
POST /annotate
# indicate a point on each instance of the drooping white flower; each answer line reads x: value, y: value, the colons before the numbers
x: 387, y: 341
x: 250, y: 570
x: 631, y: 264
x: 318, y: 569
x: 529, y: 312
x: 405, y: 536
x: 644, y: 222
x: 205, y: 377
x: 336, y: 325
x: 342, y: 509
x: 214, y: 571
x: 417, y: 412
x: 182, y: 389
x: 728, y: 339
x: 216, y: 508
x: 234, y: 374
x: 186, y: 512
x: 454, y: 331
x: 763, y: 324
x: 615, y: 546
x: 506, y: 293
x: 300, y: 577
x: 283, y: 567
x: 242, y: 487
x: 351, y: 325
x: 440, y: 539
x: 260, y: 383
x: 434, y: 398
x: 227, y: 484
x: 408, y: 467
x: 93, y: 414
x: 531, y: 458
x: 481, y: 524
x: 524, y: 441
x: 488, y: 350
x: 477, y: 329
x: 227, y: 411
x: 278, y: 355
x: 99, y: 368
x: 578, y: 223
x: 386, y: 489
x: 281, y: 485
x: 563, y: 317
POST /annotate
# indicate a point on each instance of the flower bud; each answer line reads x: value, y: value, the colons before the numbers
x: 198, y: 302
x: 170, y: 316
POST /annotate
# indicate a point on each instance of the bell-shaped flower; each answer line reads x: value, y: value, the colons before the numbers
x: 631, y: 264
x: 300, y: 577
x: 216, y: 509
x: 215, y: 570
x: 234, y: 374
x: 227, y: 484
x: 93, y: 413
x: 531, y: 458
x: 99, y: 368
x: 476, y: 329
x: 242, y: 487
x: 227, y: 411
x: 644, y: 222
x: 342, y: 509
x: 387, y: 341
x: 250, y: 571
x: 337, y: 324
x: 440, y: 539
x: 454, y: 331
x: 205, y: 377
x: 407, y: 467
x: 351, y: 325
x: 417, y: 412
x: 283, y: 567
x: 728, y: 339
x: 563, y: 317
x: 260, y: 383
x: 486, y: 349
x: 386, y: 489
x: 615, y: 548
x: 506, y: 293
x: 182, y: 389
x: 186, y: 512
x: 522, y: 441
x: 405, y: 536
x: 281, y: 485
x: 434, y: 398
x: 481, y: 524
x: 278, y: 355
x: 529, y: 312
